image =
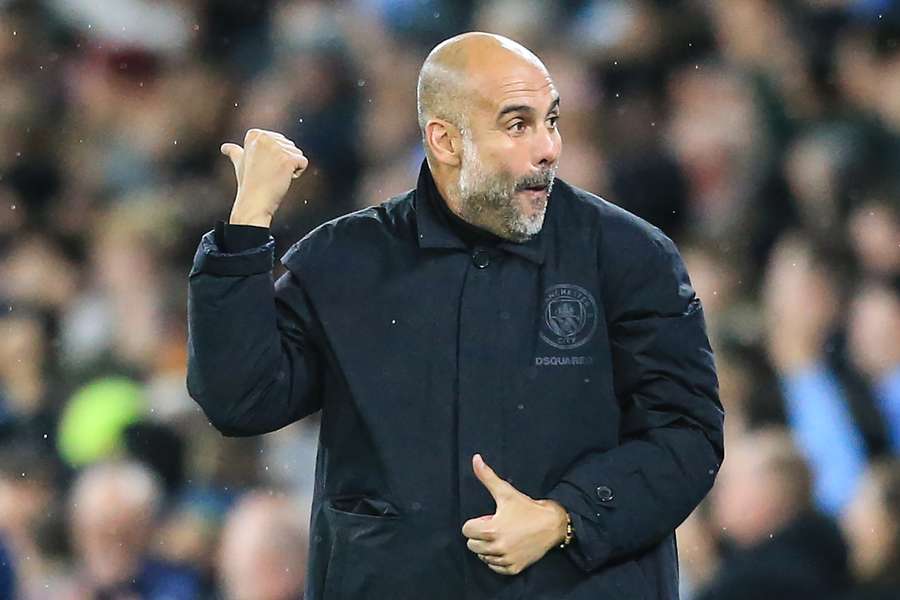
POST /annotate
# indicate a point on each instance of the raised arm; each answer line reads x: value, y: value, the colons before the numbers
x: 252, y: 360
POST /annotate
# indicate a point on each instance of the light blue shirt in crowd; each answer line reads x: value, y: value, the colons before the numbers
x: 826, y: 433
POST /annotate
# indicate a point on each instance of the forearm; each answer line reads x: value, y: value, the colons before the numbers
x: 630, y: 498
x: 249, y: 367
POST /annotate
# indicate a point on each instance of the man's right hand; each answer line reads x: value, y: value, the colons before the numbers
x: 264, y: 168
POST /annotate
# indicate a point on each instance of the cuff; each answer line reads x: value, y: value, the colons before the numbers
x: 211, y: 259
x: 590, y: 547
x: 240, y: 238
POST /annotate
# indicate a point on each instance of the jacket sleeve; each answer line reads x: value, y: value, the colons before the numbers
x: 252, y: 363
x: 627, y: 499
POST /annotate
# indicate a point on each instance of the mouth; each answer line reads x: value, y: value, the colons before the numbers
x: 535, y: 189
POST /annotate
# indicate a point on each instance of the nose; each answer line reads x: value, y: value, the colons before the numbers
x: 547, y: 146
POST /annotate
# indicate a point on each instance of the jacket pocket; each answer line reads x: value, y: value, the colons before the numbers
x: 367, y: 534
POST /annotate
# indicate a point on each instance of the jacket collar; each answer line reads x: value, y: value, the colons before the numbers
x: 433, y: 232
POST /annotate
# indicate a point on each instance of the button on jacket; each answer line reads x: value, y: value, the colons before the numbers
x: 576, y: 363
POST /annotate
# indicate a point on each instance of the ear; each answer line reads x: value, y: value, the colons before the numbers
x: 444, y: 141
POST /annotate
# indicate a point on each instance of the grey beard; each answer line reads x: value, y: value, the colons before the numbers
x: 488, y: 200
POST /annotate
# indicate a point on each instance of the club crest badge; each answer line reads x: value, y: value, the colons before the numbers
x: 569, y: 316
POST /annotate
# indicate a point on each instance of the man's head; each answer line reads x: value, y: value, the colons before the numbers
x: 488, y: 112
x: 764, y: 483
x: 263, y: 549
x: 113, y: 508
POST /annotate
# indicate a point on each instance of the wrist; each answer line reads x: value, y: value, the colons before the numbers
x: 241, y: 218
x: 561, y: 522
x: 244, y: 216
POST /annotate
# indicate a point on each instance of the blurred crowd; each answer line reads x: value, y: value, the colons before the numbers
x: 762, y: 135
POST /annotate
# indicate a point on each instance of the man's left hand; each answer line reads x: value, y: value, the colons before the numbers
x: 519, y: 532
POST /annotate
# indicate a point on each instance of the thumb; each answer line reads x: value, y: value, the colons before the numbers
x: 235, y: 153
x: 499, y: 489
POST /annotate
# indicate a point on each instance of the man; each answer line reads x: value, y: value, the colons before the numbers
x: 113, y: 512
x: 479, y: 319
x: 262, y: 554
x: 778, y: 545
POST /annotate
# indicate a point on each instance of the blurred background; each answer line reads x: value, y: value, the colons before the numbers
x: 762, y: 135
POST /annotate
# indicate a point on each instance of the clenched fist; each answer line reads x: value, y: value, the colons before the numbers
x: 264, y: 168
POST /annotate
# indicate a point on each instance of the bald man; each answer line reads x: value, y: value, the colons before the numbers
x: 262, y: 555
x: 518, y: 395
x: 113, y: 512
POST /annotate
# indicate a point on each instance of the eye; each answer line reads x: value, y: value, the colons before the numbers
x: 553, y: 121
x: 517, y: 126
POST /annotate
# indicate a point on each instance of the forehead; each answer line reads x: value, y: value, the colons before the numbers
x: 514, y: 84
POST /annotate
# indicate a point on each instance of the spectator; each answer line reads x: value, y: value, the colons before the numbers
x: 872, y: 527
x: 874, y: 334
x: 263, y: 551
x: 801, y: 301
x: 781, y: 547
x: 114, y: 508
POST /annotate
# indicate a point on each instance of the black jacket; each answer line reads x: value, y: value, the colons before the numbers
x: 576, y: 363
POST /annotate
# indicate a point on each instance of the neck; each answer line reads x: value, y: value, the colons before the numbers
x: 445, y: 182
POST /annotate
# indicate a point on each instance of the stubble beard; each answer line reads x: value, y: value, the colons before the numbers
x: 488, y: 200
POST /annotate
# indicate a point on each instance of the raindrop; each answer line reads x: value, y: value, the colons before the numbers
x: 617, y: 94
x: 437, y: 15
x: 521, y: 407
x: 175, y: 142
x: 15, y: 33
x: 235, y: 104
x: 696, y: 67
x: 18, y: 154
x: 13, y: 207
x: 300, y: 120
x: 393, y: 321
x: 615, y: 62
x: 45, y: 436
x: 361, y: 83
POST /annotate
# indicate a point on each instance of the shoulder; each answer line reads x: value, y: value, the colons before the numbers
x: 361, y: 231
x: 620, y: 234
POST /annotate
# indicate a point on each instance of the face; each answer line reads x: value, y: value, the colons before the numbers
x: 868, y: 529
x: 510, y: 154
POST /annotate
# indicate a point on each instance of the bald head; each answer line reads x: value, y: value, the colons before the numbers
x: 455, y: 72
x: 263, y: 549
x: 113, y: 511
x: 488, y: 110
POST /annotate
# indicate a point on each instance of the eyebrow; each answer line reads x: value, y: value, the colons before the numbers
x: 524, y: 108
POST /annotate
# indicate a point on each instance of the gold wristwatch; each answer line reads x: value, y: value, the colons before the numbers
x: 570, y: 533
